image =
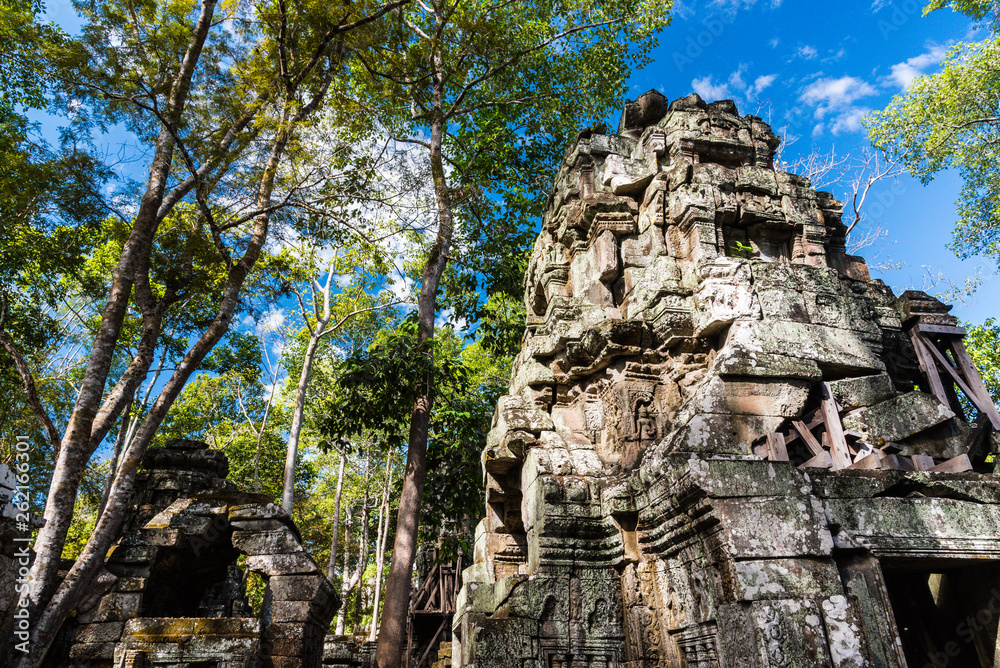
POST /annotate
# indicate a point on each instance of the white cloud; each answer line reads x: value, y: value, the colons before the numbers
x: 806, y: 52
x: 835, y: 98
x: 735, y: 87
x: 736, y: 78
x: 773, y: 42
x: 271, y: 322
x: 762, y: 82
x: 831, y: 95
x: 848, y: 121
x: 835, y: 57
x: 904, y: 73
x: 709, y: 91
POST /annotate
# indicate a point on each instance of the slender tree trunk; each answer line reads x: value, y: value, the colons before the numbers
x: 113, y: 464
x: 263, y: 421
x: 359, y: 568
x: 389, y: 651
x: 28, y: 380
x: 331, y: 568
x: 291, y: 453
x: 383, y: 535
x: 339, y: 626
x: 92, y: 558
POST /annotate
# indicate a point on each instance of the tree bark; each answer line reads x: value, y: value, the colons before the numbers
x: 291, y: 454
x: 331, y: 567
x: 92, y: 558
x: 348, y: 584
x: 389, y: 652
x: 382, y: 536
x: 30, y: 391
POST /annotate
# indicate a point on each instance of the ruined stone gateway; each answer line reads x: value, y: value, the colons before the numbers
x: 172, y: 593
x: 714, y: 451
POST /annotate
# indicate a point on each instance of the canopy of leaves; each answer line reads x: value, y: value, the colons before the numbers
x: 983, y: 343
x: 951, y: 119
x: 509, y: 85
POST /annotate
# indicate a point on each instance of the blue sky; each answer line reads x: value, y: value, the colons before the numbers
x: 813, y: 69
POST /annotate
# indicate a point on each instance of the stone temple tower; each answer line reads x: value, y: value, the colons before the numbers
x: 723, y: 443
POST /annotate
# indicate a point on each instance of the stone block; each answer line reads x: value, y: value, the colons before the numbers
x: 266, y: 542
x: 258, y: 525
x: 845, y: 633
x: 744, y: 478
x: 756, y: 397
x: 100, y: 632
x: 851, y: 393
x: 93, y: 651
x: 515, y: 414
x: 723, y: 433
x: 761, y: 579
x: 773, y: 527
x: 282, y: 564
x: 916, y: 526
x: 119, y: 606
x: 606, y: 260
x: 833, y: 349
x: 300, y: 587
x: 260, y: 511
x: 897, y: 418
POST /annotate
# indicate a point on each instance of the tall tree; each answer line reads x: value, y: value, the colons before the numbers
x: 951, y: 119
x: 219, y: 99
x: 486, y: 85
x: 325, y: 312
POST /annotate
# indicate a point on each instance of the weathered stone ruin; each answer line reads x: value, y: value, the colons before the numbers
x: 723, y: 443
x: 174, y: 594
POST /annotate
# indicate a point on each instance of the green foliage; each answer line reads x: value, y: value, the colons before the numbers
x: 977, y: 9
x: 453, y: 499
x: 952, y: 120
x: 983, y: 343
x: 741, y: 249
x: 376, y: 388
x: 509, y: 100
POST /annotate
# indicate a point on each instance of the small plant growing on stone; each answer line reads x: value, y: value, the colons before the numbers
x: 741, y: 249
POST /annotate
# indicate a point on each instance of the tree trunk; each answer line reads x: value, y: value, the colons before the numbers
x: 339, y: 626
x: 92, y: 558
x: 389, y: 651
x: 300, y: 405
x: 383, y: 535
x: 359, y: 568
x: 113, y: 464
x: 331, y: 567
x: 75, y: 449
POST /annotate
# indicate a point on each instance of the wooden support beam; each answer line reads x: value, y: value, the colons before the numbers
x: 954, y: 465
x: 776, y: 450
x: 952, y: 371
x: 939, y: 329
x: 971, y: 374
x: 928, y: 366
x: 838, y: 444
x: 871, y: 461
x: 896, y: 462
x: 811, y: 420
x: 807, y: 436
x: 922, y: 462
x: 820, y: 461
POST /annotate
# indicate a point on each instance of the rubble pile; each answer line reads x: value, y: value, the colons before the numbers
x: 174, y: 588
